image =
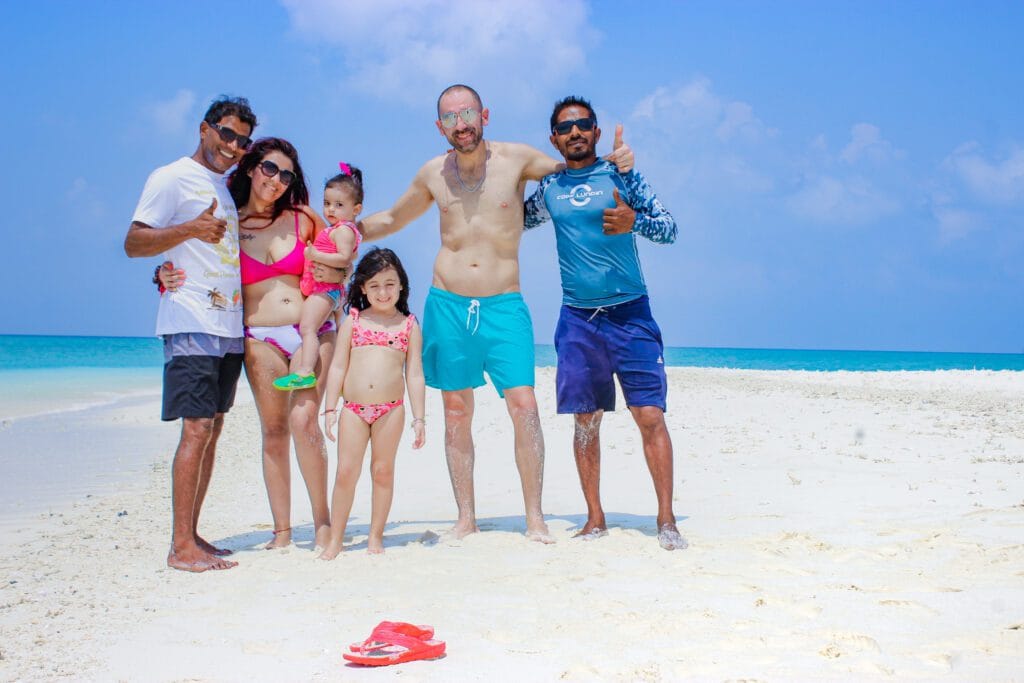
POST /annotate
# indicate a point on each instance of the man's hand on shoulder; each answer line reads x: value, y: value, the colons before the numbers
x: 621, y: 154
x: 619, y: 219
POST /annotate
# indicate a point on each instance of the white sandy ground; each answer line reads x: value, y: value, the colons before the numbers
x: 842, y: 526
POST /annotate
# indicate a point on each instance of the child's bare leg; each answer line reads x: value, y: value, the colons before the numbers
x: 353, y: 434
x: 315, y: 311
x: 384, y: 438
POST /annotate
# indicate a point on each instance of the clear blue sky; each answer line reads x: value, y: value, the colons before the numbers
x: 844, y: 174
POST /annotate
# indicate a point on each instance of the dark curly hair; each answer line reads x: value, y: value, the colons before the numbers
x: 239, y: 182
x: 375, y: 261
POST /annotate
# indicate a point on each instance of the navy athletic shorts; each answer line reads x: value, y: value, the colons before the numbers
x: 596, y: 343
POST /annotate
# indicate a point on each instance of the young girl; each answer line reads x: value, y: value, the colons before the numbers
x: 378, y: 355
x: 335, y: 246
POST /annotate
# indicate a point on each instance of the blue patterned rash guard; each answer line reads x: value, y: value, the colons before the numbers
x: 597, y: 269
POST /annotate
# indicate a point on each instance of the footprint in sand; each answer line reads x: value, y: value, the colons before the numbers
x: 848, y: 643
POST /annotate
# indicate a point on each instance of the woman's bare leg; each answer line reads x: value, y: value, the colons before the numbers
x: 262, y: 364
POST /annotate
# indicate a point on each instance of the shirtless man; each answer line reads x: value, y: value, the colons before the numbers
x: 474, y: 319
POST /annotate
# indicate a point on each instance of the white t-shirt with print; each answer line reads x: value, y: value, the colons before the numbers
x: 211, y: 299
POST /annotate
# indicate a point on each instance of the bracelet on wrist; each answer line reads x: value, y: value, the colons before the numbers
x: 156, y: 279
x: 420, y: 420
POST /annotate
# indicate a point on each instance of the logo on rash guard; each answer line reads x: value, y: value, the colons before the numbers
x: 580, y: 195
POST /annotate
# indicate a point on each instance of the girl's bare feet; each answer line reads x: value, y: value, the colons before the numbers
x: 375, y: 546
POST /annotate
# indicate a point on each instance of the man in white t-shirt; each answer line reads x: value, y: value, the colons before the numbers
x: 187, y: 215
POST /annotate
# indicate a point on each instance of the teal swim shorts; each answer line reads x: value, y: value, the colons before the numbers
x: 464, y: 337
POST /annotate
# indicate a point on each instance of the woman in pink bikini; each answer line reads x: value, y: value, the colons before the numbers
x: 275, y: 224
x: 377, y: 358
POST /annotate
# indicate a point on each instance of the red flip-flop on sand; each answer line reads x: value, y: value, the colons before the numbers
x: 423, y: 632
x: 387, y: 647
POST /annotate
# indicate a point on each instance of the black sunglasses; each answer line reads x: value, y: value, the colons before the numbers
x: 229, y: 136
x: 585, y: 125
x: 270, y: 169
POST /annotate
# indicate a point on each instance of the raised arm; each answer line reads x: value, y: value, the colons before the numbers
x: 144, y: 240
x: 411, y: 205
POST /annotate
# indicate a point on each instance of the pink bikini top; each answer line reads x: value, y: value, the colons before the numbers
x: 254, y: 271
x: 392, y: 340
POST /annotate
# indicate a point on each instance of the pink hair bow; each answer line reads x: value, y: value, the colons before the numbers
x: 345, y: 168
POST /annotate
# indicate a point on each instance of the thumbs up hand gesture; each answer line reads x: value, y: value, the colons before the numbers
x: 621, y: 154
x: 619, y: 219
x: 208, y: 227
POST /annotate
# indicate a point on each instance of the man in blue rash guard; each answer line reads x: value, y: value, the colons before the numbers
x: 605, y: 325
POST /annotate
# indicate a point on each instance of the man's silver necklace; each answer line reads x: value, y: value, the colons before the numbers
x: 458, y: 176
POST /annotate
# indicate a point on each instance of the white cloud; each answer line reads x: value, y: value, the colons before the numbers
x: 866, y: 143
x: 955, y: 224
x: 698, y: 141
x: 694, y: 107
x: 407, y: 51
x: 170, y: 116
x: 993, y: 182
x: 849, y: 201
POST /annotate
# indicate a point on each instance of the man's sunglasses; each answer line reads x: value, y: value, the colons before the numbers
x: 229, y: 136
x: 270, y: 169
x: 585, y: 125
x: 450, y: 118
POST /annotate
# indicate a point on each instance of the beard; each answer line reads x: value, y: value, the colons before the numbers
x: 577, y: 152
x: 469, y: 144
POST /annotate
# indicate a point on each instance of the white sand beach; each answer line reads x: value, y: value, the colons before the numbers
x: 842, y: 526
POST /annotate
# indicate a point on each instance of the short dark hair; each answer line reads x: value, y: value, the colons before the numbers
x: 239, y: 182
x: 374, y: 261
x: 230, y: 106
x: 351, y: 181
x: 459, y: 86
x: 570, y: 101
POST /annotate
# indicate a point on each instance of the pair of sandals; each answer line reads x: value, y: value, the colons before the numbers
x: 396, y: 642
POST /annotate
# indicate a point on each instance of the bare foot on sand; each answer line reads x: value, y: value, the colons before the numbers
x: 195, y: 560
x: 462, y: 529
x: 282, y: 539
x: 539, y: 532
x: 375, y: 546
x: 590, y: 533
x: 330, y: 551
x: 670, y: 539
x: 211, y: 549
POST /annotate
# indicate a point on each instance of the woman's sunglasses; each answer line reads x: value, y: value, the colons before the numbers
x: 229, y: 136
x: 270, y: 169
x: 585, y: 125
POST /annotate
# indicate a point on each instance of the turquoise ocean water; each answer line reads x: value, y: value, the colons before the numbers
x: 63, y: 435
x: 50, y: 374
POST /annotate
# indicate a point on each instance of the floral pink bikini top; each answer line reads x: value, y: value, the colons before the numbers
x: 392, y: 340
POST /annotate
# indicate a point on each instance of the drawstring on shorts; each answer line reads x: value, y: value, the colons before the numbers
x: 599, y: 309
x: 473, y: 309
